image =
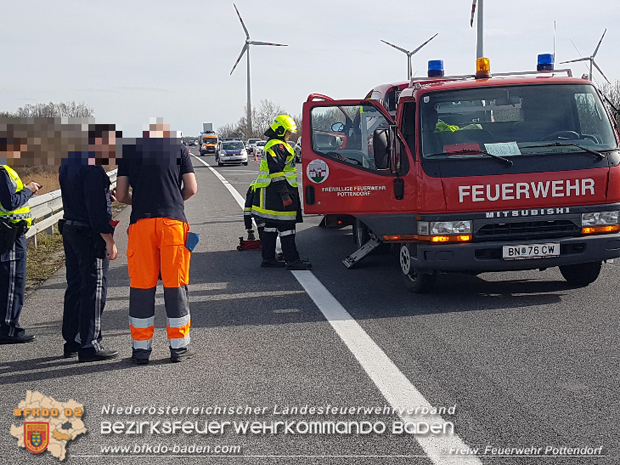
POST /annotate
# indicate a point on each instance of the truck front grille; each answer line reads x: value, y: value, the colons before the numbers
x: 527, y: 230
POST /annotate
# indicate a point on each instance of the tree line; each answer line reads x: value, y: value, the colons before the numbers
x: 52, y: 110
x: 262, y: 117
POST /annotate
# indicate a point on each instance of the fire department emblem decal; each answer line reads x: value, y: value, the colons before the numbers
x: 36, y: 436
x: 317, y: 171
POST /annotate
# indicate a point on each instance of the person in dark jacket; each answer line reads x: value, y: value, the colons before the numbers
x: 15, y: 220
x: 277, y: 198
x: 247, y: 214
x: 87, y: 235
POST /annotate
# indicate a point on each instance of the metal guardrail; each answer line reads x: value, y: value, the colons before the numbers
x: 47, y: 209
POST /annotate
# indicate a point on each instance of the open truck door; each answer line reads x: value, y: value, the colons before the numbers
x: 351, y: 158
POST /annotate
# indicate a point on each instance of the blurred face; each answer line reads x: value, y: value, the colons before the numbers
x: 14, y: 151
x: 104, y: 148
x: 159, y: 130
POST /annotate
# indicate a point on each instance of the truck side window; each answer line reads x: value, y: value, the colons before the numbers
x: 348, y: 134
x: 408, y: 126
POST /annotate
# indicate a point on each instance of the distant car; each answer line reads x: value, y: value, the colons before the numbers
x: 231, y: 152
x: 260, y: 148
x: 191, y: 143
x: 252, y: 144
x: 297, y: 149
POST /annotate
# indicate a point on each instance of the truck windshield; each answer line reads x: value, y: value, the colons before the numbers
x: 209, y: 140
x: 514, y: 121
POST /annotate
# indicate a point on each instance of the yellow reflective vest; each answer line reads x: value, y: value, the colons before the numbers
x: 21, y: 214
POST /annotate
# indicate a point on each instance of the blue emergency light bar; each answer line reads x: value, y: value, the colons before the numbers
x: 435, y: 68
x: 545, y: 62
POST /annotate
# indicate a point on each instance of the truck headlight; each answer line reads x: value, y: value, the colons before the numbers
x: 599, y: 218
x: 442, y: 228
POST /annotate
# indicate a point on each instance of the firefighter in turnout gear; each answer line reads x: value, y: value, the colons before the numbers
x: 276, y: 199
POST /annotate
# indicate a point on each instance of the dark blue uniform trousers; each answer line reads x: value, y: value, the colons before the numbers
x: 87, y: 268
x: 12, y: 287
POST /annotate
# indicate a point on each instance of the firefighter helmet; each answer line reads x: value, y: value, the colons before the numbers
x: 283, y: 123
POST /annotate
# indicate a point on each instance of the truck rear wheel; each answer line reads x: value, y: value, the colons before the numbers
x: 581, y: 275
x: 417, y: 282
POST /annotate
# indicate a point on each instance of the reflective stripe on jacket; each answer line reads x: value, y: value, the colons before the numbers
x: 289, y: 173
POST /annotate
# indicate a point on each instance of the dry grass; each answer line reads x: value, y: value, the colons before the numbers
x: 45, y: 260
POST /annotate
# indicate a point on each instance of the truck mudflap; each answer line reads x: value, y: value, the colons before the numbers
x: 487, y: 256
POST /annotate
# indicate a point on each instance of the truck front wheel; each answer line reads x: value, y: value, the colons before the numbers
x: 581, y: 275
x: 420, y: 283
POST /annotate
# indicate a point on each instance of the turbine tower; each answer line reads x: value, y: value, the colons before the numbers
x: 480, y: 26
x: 591, y: 59
x: 246, y: 50
x: 409, y: 54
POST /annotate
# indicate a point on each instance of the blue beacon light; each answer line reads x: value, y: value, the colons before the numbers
x: 545, y: 62
x: 435, y: 68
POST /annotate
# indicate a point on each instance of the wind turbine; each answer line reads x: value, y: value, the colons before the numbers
x: 409, y: 54
x: 480, y: 25
x: 591, y: 60
x: 246, y: 48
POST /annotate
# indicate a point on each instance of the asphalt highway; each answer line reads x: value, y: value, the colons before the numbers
x: 511, y: 368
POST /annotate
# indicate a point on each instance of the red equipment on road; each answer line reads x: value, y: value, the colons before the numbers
x: 248, y: 245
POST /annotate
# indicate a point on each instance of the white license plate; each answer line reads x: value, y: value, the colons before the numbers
x: 527, y: 251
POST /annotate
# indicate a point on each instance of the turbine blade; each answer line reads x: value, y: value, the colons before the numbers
x: 416, y: 50
x: 600, y: 71
x: 599, y: 43
x: 247, y: 34
x: 397, y: 48
x: 573, y: 61
x: 473, y: 12
x: 243, y: 50
x: 254, y: 42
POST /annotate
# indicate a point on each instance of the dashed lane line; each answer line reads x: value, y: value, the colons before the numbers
x: 399, y: 392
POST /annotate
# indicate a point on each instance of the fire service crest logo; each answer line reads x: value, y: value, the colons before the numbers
x: 317, y: 171
x: 36, y: 436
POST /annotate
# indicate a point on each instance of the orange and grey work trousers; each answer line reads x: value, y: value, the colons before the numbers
x: 156, y: 248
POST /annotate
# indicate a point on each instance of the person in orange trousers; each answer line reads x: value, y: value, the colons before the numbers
x: 160, y: 172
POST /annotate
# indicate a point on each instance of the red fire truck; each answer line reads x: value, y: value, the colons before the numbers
x: 479, y: 173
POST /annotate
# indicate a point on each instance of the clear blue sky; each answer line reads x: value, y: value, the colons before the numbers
x: 132, y: 59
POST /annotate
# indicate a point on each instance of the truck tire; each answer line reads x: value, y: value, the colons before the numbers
x: 581, y: 275
x: 420, y: 283
x: 361, y: 235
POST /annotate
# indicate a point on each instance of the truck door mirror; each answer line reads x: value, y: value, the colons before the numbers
x: 338, y: 127
x: 381, y: 148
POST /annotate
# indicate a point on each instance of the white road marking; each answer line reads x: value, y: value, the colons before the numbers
x: 391, y: 382
x: 240, y: 200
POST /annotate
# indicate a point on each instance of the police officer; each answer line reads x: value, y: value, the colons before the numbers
x: 277, y: 202
x: 15, y: 220
x: 88, y: 240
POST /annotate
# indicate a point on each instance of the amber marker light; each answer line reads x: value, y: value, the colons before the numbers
x: 464, y: 238
x: 483, y: 68
x: 600, y: 229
